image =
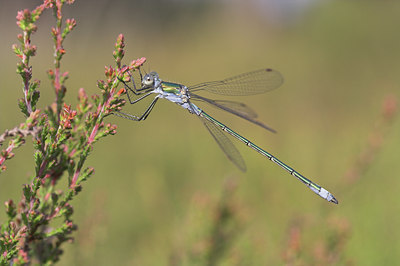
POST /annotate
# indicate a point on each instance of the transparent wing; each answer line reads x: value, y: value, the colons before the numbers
x: 250, y: 83
x: 225, y: 144
x: 239, y: 109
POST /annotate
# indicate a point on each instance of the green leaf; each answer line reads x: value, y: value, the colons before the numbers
x: 27, y: 192
x: 10, y: 209
x: 16, y: 50
x: 35, y: 98
x: 38, y: 156
x: 22, y: 106
x: 37, y: 218
x: 51, y: 116
x: 86, y: 174
x: 100, y: 84
x: 54, y: 198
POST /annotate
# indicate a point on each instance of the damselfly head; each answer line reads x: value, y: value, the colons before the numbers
x: 149, y: 79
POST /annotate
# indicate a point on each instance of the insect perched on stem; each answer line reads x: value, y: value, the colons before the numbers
x: 250, y: 83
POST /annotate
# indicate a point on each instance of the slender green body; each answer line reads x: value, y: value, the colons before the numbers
x: 314, y: 187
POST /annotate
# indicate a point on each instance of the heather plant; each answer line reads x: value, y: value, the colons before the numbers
x: 211, y: 229
x: 63, y: 136
x: 331, y: 249
x: 375, y: 141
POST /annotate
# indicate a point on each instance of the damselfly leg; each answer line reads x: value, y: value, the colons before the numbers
x: 138, y: 118
x: 146, y: 91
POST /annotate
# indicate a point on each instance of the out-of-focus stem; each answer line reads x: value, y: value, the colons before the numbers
x: 25, y: 62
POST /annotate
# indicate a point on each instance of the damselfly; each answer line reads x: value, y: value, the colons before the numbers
x: 250, y: 83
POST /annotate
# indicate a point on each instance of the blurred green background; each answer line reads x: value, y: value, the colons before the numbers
x: 158, y: 183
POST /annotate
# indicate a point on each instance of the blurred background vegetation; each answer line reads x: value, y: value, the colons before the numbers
x: 164, y: 193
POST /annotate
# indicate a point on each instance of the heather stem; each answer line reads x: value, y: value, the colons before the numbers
x: 25, y: 62
x: 57, y: 84
x: 75, y: 177
x: 100, y: 110
x: 8, y: 151
x: 92, y: 136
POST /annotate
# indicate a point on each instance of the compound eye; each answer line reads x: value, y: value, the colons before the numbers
x: 148, y: 80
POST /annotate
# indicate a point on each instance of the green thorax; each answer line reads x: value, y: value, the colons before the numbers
x: 171, y: 87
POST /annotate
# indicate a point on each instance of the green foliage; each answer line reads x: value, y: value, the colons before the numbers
x: 63, y: 138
